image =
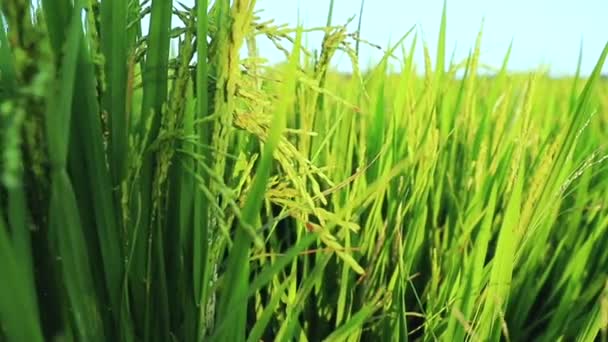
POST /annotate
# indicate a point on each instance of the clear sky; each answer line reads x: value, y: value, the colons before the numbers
x: 544, y: 32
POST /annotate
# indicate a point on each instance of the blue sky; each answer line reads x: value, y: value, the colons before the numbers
x: 543, y: 32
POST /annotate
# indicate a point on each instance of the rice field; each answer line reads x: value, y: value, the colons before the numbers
x: 166, y: 183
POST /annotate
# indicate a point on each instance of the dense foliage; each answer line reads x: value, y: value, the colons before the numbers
x: 192, y: 192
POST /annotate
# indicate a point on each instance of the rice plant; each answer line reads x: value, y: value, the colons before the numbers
x: 158, y: 184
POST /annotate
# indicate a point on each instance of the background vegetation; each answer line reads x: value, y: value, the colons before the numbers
x: 197, y: 193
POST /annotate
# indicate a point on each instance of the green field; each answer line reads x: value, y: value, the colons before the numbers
x: 188, y: 191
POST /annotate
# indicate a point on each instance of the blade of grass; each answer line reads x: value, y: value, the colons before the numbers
x: 18, y: 313
x: 87, y: 127
x: 200, y: 263
x: 440, y: 66
x: 114, y: 45
x: 155, y: 90
x: 502, y: 265
x: 355, y: 323
x: 359, y: 23
x: 66, y: 230
x: 262, y: 322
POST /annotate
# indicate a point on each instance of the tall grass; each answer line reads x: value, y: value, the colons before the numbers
x: 192, y: 193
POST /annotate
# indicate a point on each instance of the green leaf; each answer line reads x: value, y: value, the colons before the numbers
x: 114, y: 45
x: 19, y: 320
x: 262, y: 322
x: 354, y: 324
x: 66, y: 230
